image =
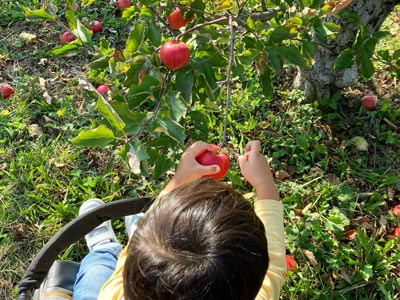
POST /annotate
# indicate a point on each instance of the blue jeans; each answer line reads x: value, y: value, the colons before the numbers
x: 96, y: 268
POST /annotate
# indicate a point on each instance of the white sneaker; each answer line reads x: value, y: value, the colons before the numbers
x: 131, y: 223
x: 103, y: 233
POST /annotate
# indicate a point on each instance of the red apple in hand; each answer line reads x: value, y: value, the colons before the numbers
x: 176, y: 20
x: 101, y: 89
x: 6, y: 90
x: 369, y: 102
x: 216, y: 157
x: 96, y: 26
x: 174, y: 54
x: 124, y: 3
x: 67, y: 37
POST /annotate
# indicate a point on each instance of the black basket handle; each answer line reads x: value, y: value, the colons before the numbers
x: 71, y: 233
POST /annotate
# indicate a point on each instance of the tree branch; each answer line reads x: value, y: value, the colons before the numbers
x: 156, y: 108
x: 228, y: 78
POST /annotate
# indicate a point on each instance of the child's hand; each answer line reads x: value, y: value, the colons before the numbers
x: 189, y: 169
x: 256, y: 170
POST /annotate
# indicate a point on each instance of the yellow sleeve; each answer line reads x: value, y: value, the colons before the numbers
x: 271, y: 214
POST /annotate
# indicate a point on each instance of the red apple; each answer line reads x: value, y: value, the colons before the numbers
x: 96, y: 26
x: 369, y: 102
x: 124, y: 3
x: 291, y: 264
x: 396, y: 210
x: 396, y: 231
x: 6, y: 90
x: 67, y: 37
x: 174, y: 54
x: 216, y: 157
x: 101, y: 89
x: 176, y: 20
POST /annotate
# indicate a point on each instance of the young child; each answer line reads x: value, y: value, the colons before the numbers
x: 202, y: 240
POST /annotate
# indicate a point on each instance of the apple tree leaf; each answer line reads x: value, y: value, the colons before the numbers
x: 171, y: 128
x: 135, y: 39
x: 98, y: 137
x: 162, y: 164
x: 67, y: 48
x: 184, y: 82
x: 110, y: 114
x: 44, y: 13
x: 345, y: 60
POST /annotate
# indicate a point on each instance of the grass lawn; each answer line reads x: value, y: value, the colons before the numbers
x: 337, y: 196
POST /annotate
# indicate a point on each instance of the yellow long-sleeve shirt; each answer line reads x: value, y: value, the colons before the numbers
x: 271, y: 214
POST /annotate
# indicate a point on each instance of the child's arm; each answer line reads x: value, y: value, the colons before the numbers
x: 256, y: 170
x: 189, y: 169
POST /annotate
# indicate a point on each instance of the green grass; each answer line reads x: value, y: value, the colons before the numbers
x: 330, y: 184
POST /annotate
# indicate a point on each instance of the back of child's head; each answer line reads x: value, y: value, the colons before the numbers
x: 203, y: 241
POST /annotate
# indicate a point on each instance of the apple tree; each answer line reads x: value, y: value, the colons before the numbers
x: 173, y: 76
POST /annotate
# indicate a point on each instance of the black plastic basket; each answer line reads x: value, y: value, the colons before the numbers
x: 71, y: 233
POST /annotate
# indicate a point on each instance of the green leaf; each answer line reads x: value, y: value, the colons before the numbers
x: 345, y: 60
x: 293, y: 55
x: 184, y: 82
x: 98, y: 137
x: 133, y: 120
x: 71, y: 19
x: 162, y: 164
x: 110, y: 114
x: 308, y: 49
x: 101, y: 63
x: 154, y: 34
x: 135, y: 39
x: 132, y: 74
x: 83, y: 33
x: 43, y: 13
x: 279, y: 34
x: 67, y: 48
x: 171, y: 128
x: 366, y: 66
x: 266, y: 83
x: 334, y: 28
x: 176, y: 106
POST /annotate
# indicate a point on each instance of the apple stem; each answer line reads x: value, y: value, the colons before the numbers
x: 228, y: 78
x: 163, y: 90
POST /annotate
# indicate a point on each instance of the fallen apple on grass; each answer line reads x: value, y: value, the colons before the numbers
x: 96, y: 26
x: 396, y: 210
x: 216, y: 157
x: 369, y: 102
x: 396, y: 231
x: 6, y: 90
x: 68, y: 37
x: 101, y: 89
x: 174, y: 54
x: 291, y: 264
x: 176, y: 19
x: 124, y: 3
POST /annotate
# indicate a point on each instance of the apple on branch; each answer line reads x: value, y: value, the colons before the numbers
x: 216, y: 157
x: 174, y: 54
x: 176, y: 19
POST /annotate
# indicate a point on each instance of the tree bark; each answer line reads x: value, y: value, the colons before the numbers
x: 321, y: 81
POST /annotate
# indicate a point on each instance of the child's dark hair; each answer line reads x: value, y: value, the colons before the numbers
x: 203, y: 241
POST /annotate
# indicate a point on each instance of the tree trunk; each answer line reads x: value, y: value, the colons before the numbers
x: 321, y: 81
